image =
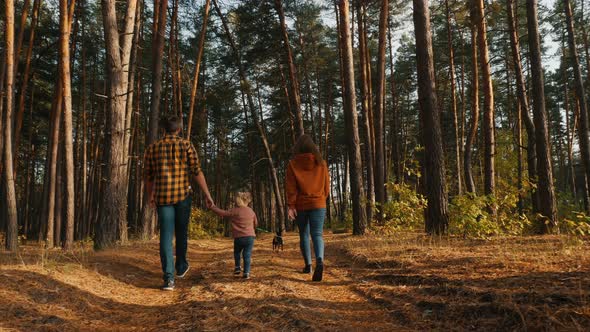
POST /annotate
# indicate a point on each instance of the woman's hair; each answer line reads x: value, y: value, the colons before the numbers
x: 243, y: 198
x: 170, y: 124
x: 305, y: 144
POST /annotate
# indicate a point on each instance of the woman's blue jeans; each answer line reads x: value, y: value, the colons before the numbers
x: 311, y: 222
x: 243, y: 246
x: 174, y: 220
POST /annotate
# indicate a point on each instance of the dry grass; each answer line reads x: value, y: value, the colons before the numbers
x: 525, y: 283
x: 410, y: 282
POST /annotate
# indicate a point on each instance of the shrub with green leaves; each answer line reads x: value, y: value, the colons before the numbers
x: 404, y: 211
x: 578, y: 225
x: 469, y: 216
x: 204, y: 224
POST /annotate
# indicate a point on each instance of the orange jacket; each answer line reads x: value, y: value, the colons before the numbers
x: 308, y: 183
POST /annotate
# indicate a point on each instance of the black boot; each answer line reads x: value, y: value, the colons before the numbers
x: 307, y: 269
x: 319, y: 270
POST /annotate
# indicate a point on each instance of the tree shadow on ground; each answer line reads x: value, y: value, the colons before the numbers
x: 35, y: 301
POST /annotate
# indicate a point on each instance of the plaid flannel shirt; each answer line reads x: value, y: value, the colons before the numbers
x: 170, y: 163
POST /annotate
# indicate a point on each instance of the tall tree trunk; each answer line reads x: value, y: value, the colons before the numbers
x: 523, y: 100
x: 195, y: 83
x: 548, y: 206
x: 365, y: 112
x: 580, y: 92
x: 488, y: 108
x: 437, y: 218
x: 25, y: 76
x: 65, y: 77
x: 30, y: 169
x: 9, y: 190
x: 59, y: 191
x: 82, y: 211
x: 133, y: 59
x: 380, y: 110
x: 288, y: 102
x: 113, y: 222
x: 359, y: 216
x: 570, y: 132
x: 51, y: 173
x: 471, y: 137
x: 294, y: 82
x: 2, y: 77
x: 519, y: 156
x: 454, y: 98
x: 159, y: 31
x: 395, y: 140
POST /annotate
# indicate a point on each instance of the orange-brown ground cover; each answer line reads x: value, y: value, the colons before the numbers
x: 409, y: 282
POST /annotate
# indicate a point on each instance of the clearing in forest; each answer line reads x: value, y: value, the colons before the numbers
x: 410, y: 282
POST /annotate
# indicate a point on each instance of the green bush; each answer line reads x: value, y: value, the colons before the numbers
x: 578, y: 225
x: 469, y: 216
x: 404, y: 211
x: 204, y: 224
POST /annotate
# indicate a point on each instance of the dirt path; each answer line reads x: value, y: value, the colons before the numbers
x: 118, y: 290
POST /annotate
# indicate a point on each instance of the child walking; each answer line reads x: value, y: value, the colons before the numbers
x: 243, y: 222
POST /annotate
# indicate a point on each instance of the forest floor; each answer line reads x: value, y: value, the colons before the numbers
x: 406, y: 282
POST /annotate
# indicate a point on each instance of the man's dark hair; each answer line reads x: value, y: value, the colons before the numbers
x: 170, y: 124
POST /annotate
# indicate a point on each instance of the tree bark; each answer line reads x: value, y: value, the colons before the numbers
x: 294, y: 82
x: 369, y: 155
x: 436, y: 213
x: 159, y: 30
x: 545, y: 188
x: 25, y: 76
x: 12, y: 221
x: 471, y: 137
x: 359, y: 216
x: 523, y: 100
x: 380, y: 110
x: 488, y: 109
x: 570, y: 132
x: 459, y: 188
x: 580, y: 92
x: 65, y: 76
x: 112, y: 226
x: 195, y: 83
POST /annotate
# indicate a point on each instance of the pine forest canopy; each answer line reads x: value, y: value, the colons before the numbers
x: 460, y: 117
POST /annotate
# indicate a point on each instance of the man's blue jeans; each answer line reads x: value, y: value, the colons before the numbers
x: 243, y: 245
x: 174, y: 220
x: 311, y: 222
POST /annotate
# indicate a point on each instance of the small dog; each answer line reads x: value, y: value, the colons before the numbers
x: 277, y: 242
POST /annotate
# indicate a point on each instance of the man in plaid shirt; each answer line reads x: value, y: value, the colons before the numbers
x: 169, y: 166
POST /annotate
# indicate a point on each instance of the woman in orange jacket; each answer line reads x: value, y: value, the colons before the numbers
x: 308, y: 187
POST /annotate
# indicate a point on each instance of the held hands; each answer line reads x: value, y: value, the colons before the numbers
x: 292, y: 214
x: 210, y: 203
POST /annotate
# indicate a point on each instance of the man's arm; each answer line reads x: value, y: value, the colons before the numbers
x: 149, y: 189
x: 148, y: 176
x: 202, y: 182
x: 198, y: 176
